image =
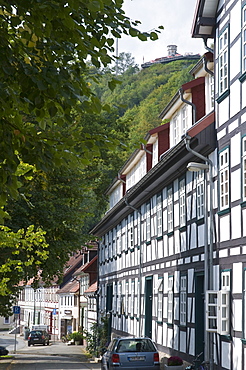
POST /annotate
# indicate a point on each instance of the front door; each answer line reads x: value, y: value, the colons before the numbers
x: 199, y: 313
x: 148, y: 306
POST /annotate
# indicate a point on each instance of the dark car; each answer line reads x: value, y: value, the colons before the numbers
x: 131, y: 353
x: 38, y: 337
x: 3, y: 351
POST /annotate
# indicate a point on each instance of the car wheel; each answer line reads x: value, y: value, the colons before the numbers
x: 29, y: 344
x: 48, y: 343
x: 44, y: 344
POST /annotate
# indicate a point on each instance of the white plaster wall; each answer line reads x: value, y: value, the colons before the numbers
x: 235, y: 152
x: 237, y: 314
x: 236, y: 221
x: 224, y: 228
x: 176, y: 337
x: 183, y: 241
x: 177, y: 241
x: 182, y: 335
x: 193, y: 231
x: 235, y: 98
x: 223, y: 111
x: 237, y: 354
x: 176, y: 214
x: 244, y: 94
x: 237, y: 278
x: 244, y: 221
x: 235, y: 24
x: 200, y: 235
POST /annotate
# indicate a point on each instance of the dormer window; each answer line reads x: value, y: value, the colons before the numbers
x: 176, y: 137
x: 184, y: 120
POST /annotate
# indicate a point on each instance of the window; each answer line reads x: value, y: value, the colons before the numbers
x: 183, y: 294
x: 148, y: 221
x: 200, y: 194
x: 182, y: 207
x: 130, y: 232
x: 218, y: 307
x: 224, y: 179
x: 159, y: 214
x: 175, y: 130
x: 160, y: 300
x: 170, y: 300
x: 244, y: 39
x: 223, y: 62
x: 244, y: 168
x: 184, y: 119
x: 169, y: 210
x: 6, y: 321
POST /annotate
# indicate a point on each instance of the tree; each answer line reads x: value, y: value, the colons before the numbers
x: 45, y: 85
x: 44, y: 77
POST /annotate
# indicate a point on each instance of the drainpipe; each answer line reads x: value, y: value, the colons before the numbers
x: 208, y: 247
x: 181, y: 93
x: 140, y: 264
x: 143, y: 147
x: 205, y: 66
x: 205, y: 41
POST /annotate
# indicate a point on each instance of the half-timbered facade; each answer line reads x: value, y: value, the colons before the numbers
x: 172, y: 260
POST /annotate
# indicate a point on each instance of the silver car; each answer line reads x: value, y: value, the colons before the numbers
x: 131, y: 353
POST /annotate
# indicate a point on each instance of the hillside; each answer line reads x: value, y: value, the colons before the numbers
x: 142, y: 95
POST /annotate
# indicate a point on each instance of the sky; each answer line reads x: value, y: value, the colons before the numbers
x: 176, y: 16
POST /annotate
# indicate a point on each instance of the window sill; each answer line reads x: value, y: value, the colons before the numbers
x: 226, y: 338
x: 148, y: 242
x: 243, y: 341
x: 224, y: 211
x: 200, y: 221
x: 170, y: 325
x: 182, y: 228
x: 243, y: 77
x: 223, y: 96
x: 170, y: 233
x: 159, y: 322
x: 243, y: 204
x: 159, y: 237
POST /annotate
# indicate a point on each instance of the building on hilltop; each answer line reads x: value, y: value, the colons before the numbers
x: 172, y: 56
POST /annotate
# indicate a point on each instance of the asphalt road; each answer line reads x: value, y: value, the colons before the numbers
x: 57, y: 355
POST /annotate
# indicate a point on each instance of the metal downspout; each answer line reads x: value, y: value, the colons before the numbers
x: 140, y: 264
x: 208, y: 247
x: 205, y: 65
x: 181, y: 93
x: 205, y: 41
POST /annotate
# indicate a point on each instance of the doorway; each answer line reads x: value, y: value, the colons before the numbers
x: 148, y: 306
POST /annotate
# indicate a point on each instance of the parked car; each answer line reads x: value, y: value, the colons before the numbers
x: 38, y: 337
x: 131, y: 353
x: 3, y: 351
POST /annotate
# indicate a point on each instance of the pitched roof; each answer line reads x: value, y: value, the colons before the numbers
x: 71, y: 287
x: 92, y: 288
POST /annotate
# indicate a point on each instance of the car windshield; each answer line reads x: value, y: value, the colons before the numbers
x: 36, y: 332
x: 135, y: 345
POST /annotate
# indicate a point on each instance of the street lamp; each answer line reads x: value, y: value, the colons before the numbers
x: 208, y: 230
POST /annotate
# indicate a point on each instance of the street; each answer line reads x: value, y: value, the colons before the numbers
x: 57, y: 355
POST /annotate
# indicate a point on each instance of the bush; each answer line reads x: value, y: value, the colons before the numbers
x: 76, y: 336
x: 174, y: 361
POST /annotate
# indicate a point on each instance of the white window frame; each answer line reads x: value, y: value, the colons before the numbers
x: 224, y: 179
x: 160, y: 300
x: 218, y: 306
x: 169, y: 210
x: 176, y: 136
x: 184, y: 119
x: 223, y: 58
x: 200, y: 194
x: 183, y: 300
x: 170, y: 300
x: 159, y: 214
x: 182, y: 203
x: 244, y: 39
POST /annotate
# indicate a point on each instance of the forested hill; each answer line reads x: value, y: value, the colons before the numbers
x: 143, y: 94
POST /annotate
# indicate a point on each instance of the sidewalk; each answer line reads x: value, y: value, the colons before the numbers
x: 55, y: 348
